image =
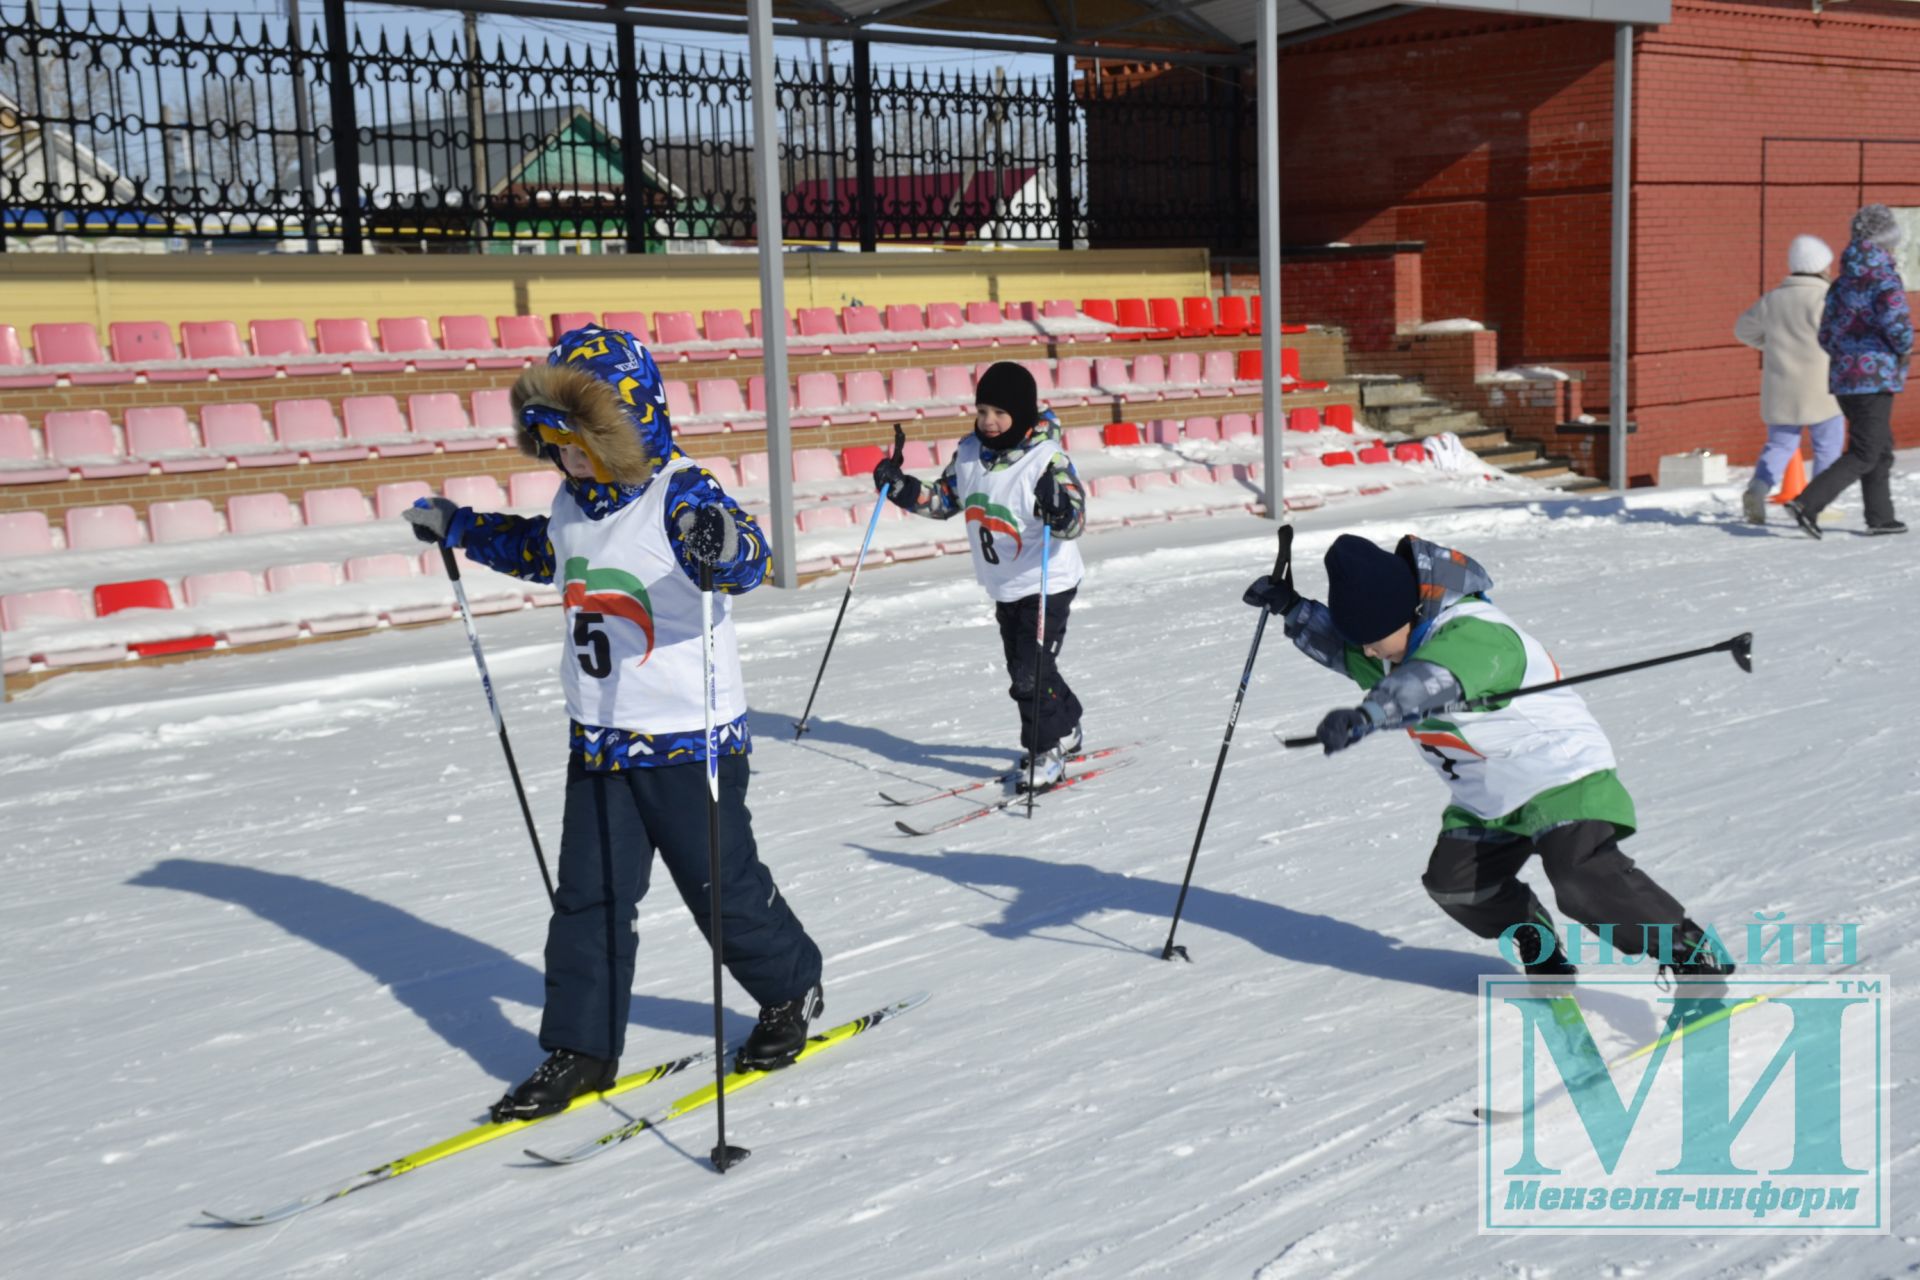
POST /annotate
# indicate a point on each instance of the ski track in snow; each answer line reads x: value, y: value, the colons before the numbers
x: 273, y: 920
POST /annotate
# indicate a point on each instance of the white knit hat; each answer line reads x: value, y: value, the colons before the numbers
x: 1808, y: 255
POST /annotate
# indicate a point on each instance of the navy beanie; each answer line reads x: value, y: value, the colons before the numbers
x: 1370, y: 592
x: 1010, y: 388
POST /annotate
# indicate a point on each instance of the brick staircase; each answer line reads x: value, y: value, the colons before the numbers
x: 1402, y: 406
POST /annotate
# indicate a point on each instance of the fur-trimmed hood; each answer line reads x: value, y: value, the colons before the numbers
x: 599, y: 389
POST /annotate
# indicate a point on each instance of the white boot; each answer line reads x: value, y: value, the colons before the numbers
x: 1754, y: 503
x: 1047, y: 770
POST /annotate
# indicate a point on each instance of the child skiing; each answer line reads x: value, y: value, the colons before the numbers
x: 628, y: 534
x: 1415, y: 629
x: 1010, y: 477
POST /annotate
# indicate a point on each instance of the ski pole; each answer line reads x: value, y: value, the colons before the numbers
x: 1283, y: 570
x: 1039, y: 654
x: 723, y: 1155
x: 1740, y: 646
x: 873, y: 522
x: 493, y: 705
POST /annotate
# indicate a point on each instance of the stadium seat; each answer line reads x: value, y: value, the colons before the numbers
x: 728, y: 326
x: 25, y: 533
x: 188, y: 520
x: 406, y: 334
x: 861, y: 459
x: 220, y: 340
x: 815, y: 466
x: 672, y: 328
x: 1253, y: 317
x: 295, y: 577
x: 945, y: 315
x: 473, y: 333
x: 85, y: 439
x: 944, y: 449
x: 75, y: 344
x: 1164, y: 431
x: 1196, y: 318
x: 819, y: 519
x: 287, y: 338
x: 679, y: 401
x: 1042, y: 372
x: 866, y: 393
x: 1183, y: 373
x: 1410, y: 451
x: 796, y: 345
x: 58, y: 605
x: 389, y: 500
x: 394, y: 567
x: 1120, y: 433
x: 1109, y: 486
x: 238, y: 431
x: 1248, y: 366
x: 324, y: 611
x: 986, y: 314
x: 1112, y: 376
x: 1303, y: 419
x: 1165, y: 314
x: 565, y: 322
x: 532, y: 489
x: 819, y: 394
x: 753, y: 470
x: 910, y: 392
x: 328, y: 507
x: 1340, y: 458
x: 1062, y: 309
x: 720, y: 399
x: 1102, y: 309
x: 1203, y: 429
x: 1235, y: 425
x: 1084, y: 439
x: 260, y: 513
x: 1290, y: 363
x: 1146, y: 480
x: 162, y: 434
x: 1073, y: 380
x: 481, y: 493
x: 633, y: 322
x: 1340, y: 417
x: 439, y: 416
x: 1374, y: 454
x: 722, y: 470
x: 146, y: 593
x: 1150, y: 380
x: 376, y: 421
x: 140, y: 342
x: 310, y: 427
x: 522, y: 331
x: 1133, y: 313
x: 236, y: 584
x: 1216, y: 372
x: 953, y: 384
x: 493, y: 409
x: 350, y: 336
x: 863, y: 325
x: 823, y: 324
x: 13, y: 354
x: 905, y: 320
x: 1231, y: 320
x: 919, y: 456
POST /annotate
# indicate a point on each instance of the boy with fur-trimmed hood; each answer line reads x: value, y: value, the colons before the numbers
x: 630, y: 530
x: 1414, y: 627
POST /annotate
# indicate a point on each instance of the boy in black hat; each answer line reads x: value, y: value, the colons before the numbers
x: 1008, y: 478
x: 1413, y: 626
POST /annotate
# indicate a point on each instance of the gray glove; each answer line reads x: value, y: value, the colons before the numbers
x: 432, y: 518
x: 709, y: 534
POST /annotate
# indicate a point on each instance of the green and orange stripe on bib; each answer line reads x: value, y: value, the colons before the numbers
x: 613, y: 592
x: 992, y: 515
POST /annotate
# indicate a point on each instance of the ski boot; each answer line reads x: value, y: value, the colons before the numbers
x: 781, y: 1033
x: 1069, y: 746
x: 1704, y: 965
x: 564, y: 1076
x: 1554, y: 964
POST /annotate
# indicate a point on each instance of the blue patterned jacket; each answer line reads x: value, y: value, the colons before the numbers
x: 1866, y: 329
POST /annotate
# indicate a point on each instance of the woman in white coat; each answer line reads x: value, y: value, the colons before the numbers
x: 1785, y: 326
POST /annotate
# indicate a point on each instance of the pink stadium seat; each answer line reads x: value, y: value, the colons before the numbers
x: 727, y: 326
x: 237, y: 431
x: 864, y: 324
x: 943, y: 450
x: 325, y: 508
x: 350, y: 336
x: 295, y: 577
x: 722, y: 470
x: 25, y: 533
x: 220, y: 340
x: 823, y: 323
x: 260, y: 513
x: 1073, y: 380
x: 1042, y: 372
x: 719, y: 398
x: 13, y: 354
x: 909, y: 391
x: 228, y: 584
x: 1216, y: 371
x: 565, y: 322
x: 325, y: 613
x: 287, y: 338
x: 635, y: 323
x: 1150, y: 377
x: 393, y: 567
x: 918, y: 456
x: 867, y: 391
x: 163, y: 434
x: 953, y: 384
x: 310, y: 427
x: 493, y: 409
x: 753, y: 470
x: 402, y: 334
x: 945, y: 315
x: 906, y: 320
x: 1146, y: 480
x: 389, y: 500
x: 1203, y: 429
x: 532, y: 489
x: 473, y: 333
x: 1063, y: 309
x: 22, y: 461
x: 1164, y: 431
x: 679, y: 401
x: 1102, y: 309
x: 812, y: 466
x: 1183, y: 371
x: 103, y: 528
x: 188, y: 520
x: 673, y: 328
x: 1410, y: 451
x: 1084, y: 439
x: 819, y: 519
x: 1235, y: 425
x: 1120, y: 433
x: 376, y: 421
x: 1111, y: 375
x: 1231, y: 320
x: 84, y: 438
x: 523, y: 331
x: 796, y: 345
x: 1303, y: 419
x: 1167, y: 321
x: 140, y: 342
x: 1109, y: 486
x: 819, y: 394
x: 147, y: 593
x: 440, y: 417
x: 481, y: 493
x: 983, y: 313
x: 1340, y: 417
x: 1196, y: 316
x: 74, y: 344
x: 58, y: 605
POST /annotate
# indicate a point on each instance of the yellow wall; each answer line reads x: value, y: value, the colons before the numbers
x: 100, y: 288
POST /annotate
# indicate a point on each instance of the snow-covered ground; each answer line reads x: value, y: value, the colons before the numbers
x: 272, y: 919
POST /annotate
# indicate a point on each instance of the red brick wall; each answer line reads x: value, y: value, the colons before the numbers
x: 1372, y: 295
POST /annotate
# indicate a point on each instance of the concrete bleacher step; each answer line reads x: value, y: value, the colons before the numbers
x: 1378, y: 391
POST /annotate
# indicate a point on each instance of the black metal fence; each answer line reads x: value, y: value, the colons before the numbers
x: 158, y: 124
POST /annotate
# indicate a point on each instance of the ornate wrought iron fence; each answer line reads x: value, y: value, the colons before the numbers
x: 132, y: 122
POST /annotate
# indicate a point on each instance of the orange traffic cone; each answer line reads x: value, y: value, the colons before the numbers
x: 1793, y: 482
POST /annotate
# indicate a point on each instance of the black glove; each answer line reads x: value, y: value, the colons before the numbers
x: 709, y: 534
x: 1276, y: 595
x: 433, y: 518
x: 1052, y: 504
x: 1342, y: 728
x: 891, y: 479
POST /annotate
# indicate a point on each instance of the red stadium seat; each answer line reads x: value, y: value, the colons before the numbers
x: 1340, y: 417
x: 1120, y: 433
x: 1102, y: 309
x: 146, y: 593
x: 1340, y: 459
x: 1249, y: 366
x: 860, y: 460
x: 1303, y: 419
x: 1135, y: 314
x: 1232, y: 319
x: 1167, y: 320
x: 1375, y: 453
x: 1196, y: 318
x: 1410, y: 451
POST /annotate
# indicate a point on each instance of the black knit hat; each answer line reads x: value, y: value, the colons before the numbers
x: 1370, y: 592
x: 1010, y: 388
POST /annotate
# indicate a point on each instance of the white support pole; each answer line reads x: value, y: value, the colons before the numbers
x: 1622, y: 228
x: 1266, y: 102
x: 773, y: 292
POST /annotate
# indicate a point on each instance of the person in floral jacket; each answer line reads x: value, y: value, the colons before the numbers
x: 1867, y: 332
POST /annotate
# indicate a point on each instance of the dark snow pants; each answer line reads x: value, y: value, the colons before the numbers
x: 1048, y: 717
x: 1868, y: 459
x: 1475, y: 879
x: 614, y: 823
